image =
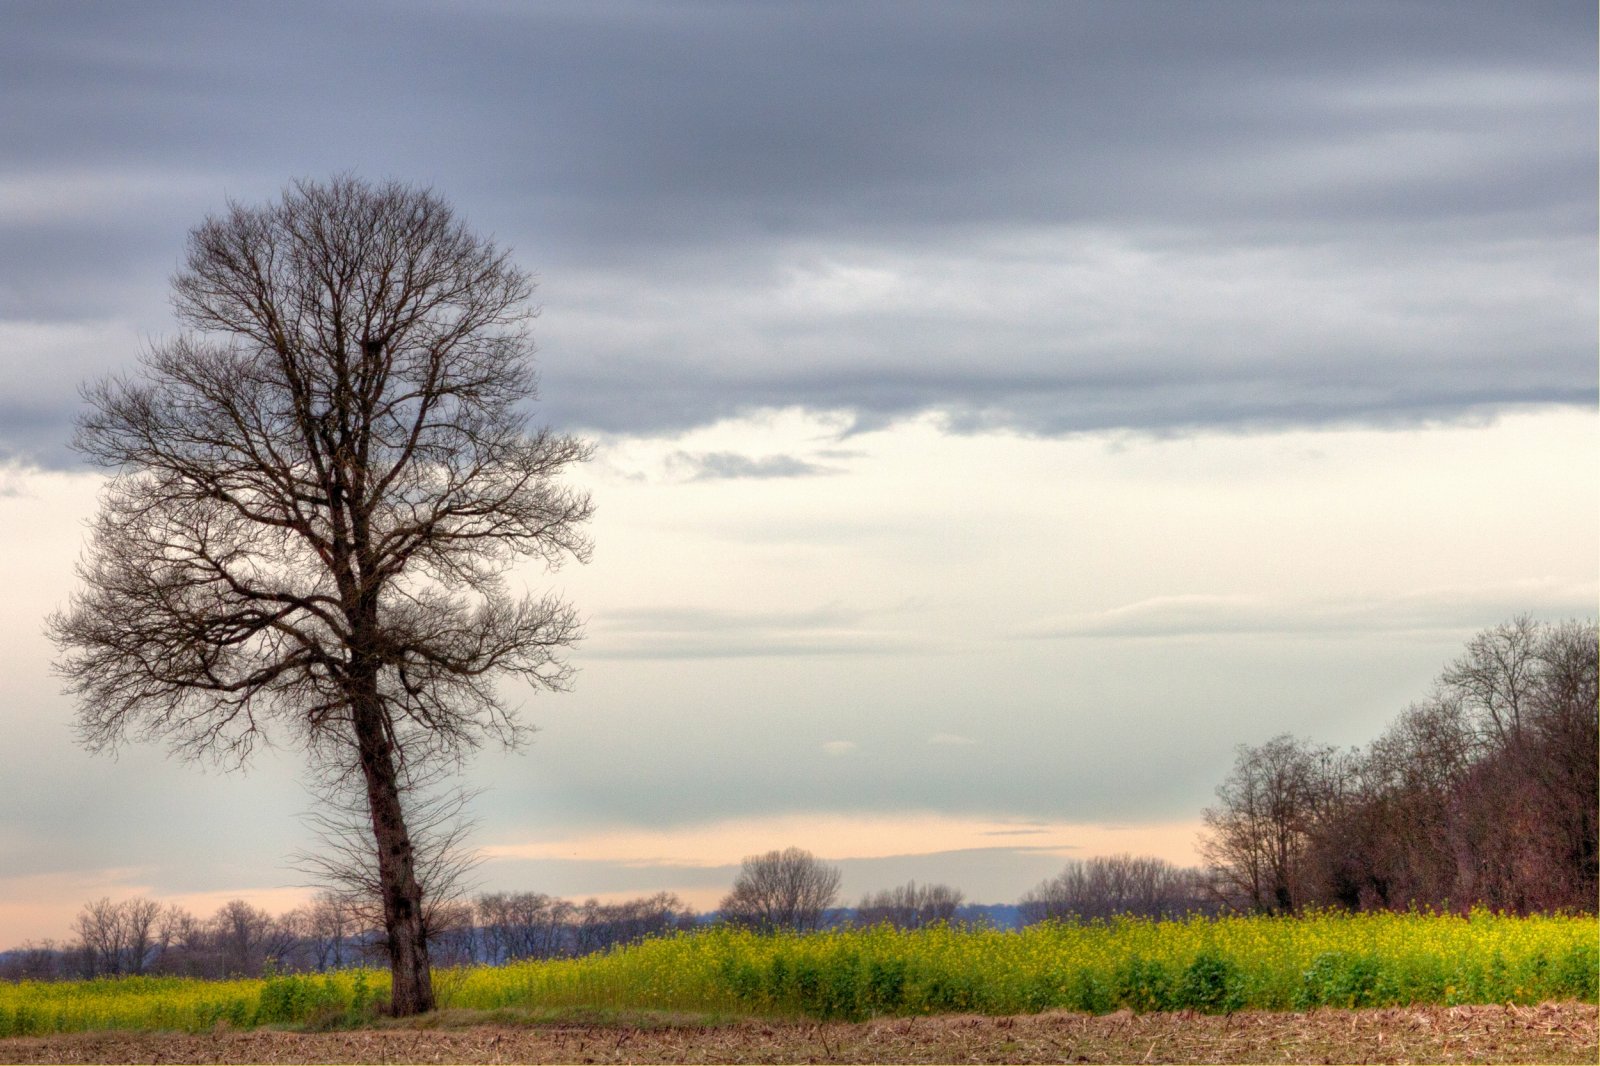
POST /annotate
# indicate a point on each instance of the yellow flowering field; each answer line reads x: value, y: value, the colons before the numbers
x: 1213, y: 966
x: 32, y: 1008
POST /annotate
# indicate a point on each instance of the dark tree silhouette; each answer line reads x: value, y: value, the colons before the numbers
x: 789, y: 889
x: 1258, y: 833
x: 1108, y: 886
x: 910, y: 906
x: 1484, y: 792
x: 318, y: 492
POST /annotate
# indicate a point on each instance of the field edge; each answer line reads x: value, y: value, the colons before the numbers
x: 1559, y: 1032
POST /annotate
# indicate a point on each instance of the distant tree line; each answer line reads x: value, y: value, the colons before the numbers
x: 1486, y: 792
x: 1111, y: 886
x: 141, y: 937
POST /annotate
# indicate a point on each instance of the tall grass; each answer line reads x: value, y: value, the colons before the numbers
x: 1222, y: 965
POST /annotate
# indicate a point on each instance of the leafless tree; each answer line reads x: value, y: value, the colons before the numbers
x: 247, y: 938
x: 522, y: 925
x: 1107, y: 886
x: 117, y: 937
x: 35, y: 961
x: 316, y: 496
x: 1258, y: 833
x: 451, y: 938
x: 603, y: 926
x: 789, y: 889
x: 139, y: 921
x: 330, y: 928
x: 1484, y: 792
x: 910, y: 906
x: 99, y: 929
x: 1393, y: 840
x: 1529, y: 691
x: 184, y: 944
x: 344, y: 865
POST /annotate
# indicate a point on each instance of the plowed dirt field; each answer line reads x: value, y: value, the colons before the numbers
x: 1550, y: 1033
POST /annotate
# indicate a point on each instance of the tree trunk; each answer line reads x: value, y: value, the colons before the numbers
x: 405, y: 933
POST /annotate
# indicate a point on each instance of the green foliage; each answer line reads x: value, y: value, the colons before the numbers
x: 1211, y: 984
x: 1340, y: 979
x: 288, y: 999
x: 1147, y: 985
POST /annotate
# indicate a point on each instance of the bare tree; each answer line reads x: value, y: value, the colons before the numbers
x: 330, y: 927
x: 100, y: 932
x: 523, y: 925
x: 1529, y: 690
x: 117, y: 937
x: 910, y: 906
x: 316, y: 500
x: 344, y: 865
x: 1107, y: 886
x: 34, y: 961
x: 1257, y: 835
x: 789, y: 889
x: 317, y: 495
x: 602, y: 926
x: 450, y: 933
x: 184, y: 944
x: 139, y: 932
x: 1484, y: 792
x: 247, y: 938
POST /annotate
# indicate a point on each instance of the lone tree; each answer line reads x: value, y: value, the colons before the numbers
x: 317, y: 494
x: 789, y: 889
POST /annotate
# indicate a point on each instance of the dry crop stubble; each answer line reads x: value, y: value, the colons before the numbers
x: 1548, y: 1033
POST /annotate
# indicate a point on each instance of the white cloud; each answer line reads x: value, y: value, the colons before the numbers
x: 673, y: 632
x: 837, y: 748
x: 1451, y: 610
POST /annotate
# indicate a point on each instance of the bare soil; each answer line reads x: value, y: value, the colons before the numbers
x: 1549, y: 1033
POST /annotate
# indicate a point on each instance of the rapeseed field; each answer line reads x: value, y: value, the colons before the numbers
x: 1214, y: 966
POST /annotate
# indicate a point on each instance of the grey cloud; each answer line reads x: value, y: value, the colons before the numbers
x: 666, y: 168
x: 717, y: 466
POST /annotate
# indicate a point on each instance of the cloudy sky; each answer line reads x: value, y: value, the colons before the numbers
x: 1002, y: 410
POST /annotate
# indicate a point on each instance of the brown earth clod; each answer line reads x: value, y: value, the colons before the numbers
x: 1548, y: 1033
